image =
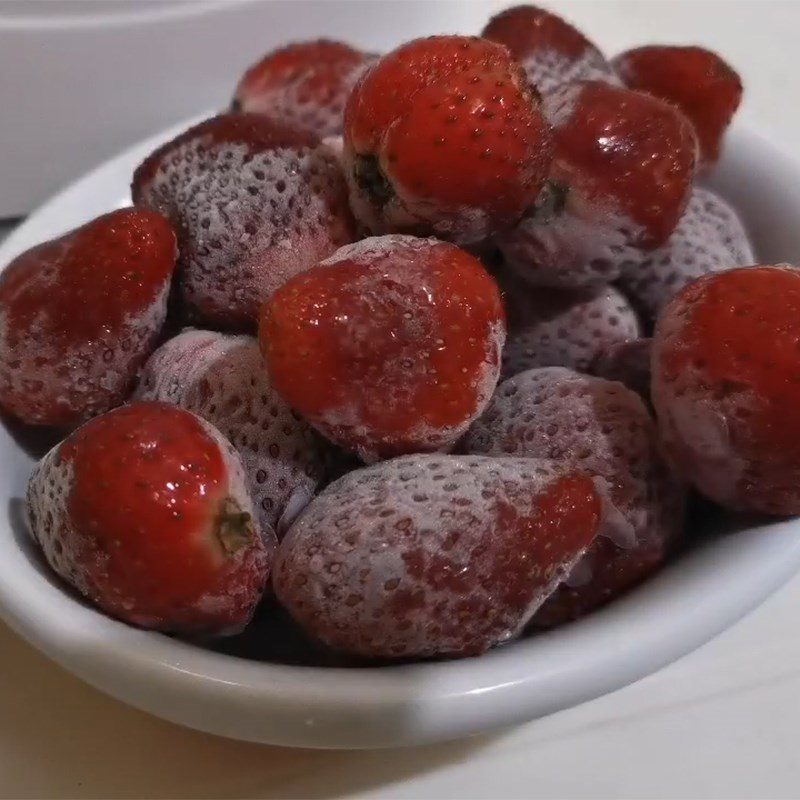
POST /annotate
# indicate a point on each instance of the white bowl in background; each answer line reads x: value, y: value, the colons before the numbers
x: 707, y: 588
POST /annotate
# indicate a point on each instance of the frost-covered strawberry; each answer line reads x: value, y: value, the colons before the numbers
x: 620, y: 179
x: 254, y: 202
x: 144, y: 511
x: 80, y: 314
x: 604, y: 429
x: 390, y: 346
x: 305, y: 84
x: 434, y: 555
x: 222, y: 379
x: 444, y: 135
x: 710, y: 237
x: 551, y: 51
x: 557, y: 327
x: 626, y: 362
x: 698, y: 81
x: 726, y: 387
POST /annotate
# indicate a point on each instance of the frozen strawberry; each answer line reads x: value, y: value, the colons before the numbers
x: 726, y: 387
x: 145, y: 512
x: 628, y: 363
x: 222, y: 379
x: 80, y: 314
x: 391, y: 346
x: 444, y: 136
x: 619, y: 182
x: 709, y: 238
x: 557, y: 327
x: 254, y: 202
x: 700, y: 83
x: 551, y: 51
x: 305, y: 85
x: 604, y: 429
x: 434, y: 555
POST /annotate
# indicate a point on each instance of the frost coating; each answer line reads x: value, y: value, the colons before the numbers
x: 223, y: 379
x: 431, y: 555
x: 559, y: 328
x: 710, y: 237
x: 548, y: 69
x: 247, y: 221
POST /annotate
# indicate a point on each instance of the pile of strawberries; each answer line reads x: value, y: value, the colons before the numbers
x: 280, y: 367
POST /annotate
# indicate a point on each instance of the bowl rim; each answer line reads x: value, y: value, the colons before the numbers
x: 349, y: 707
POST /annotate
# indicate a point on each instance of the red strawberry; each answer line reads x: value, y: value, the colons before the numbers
x: 559, y: 328
x: 254, y: 202
x: 551, y: 51
x: 390, y: 346
x: 144, y: 511
x: 604, y: 429
x: 222, y: 379
x: 444, y: 135
x: 628, y: 363
x: 304, y: 85
x: 434, y: 555
x: 79, y: 314
x: 704, y: 86
x: 709, y: 238
x: 726, y: 387
x: 619, y: 182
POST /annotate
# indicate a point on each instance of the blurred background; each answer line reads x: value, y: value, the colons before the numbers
x: 82, y: 79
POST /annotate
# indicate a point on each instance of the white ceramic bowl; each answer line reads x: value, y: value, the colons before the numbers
x: 710, y: 586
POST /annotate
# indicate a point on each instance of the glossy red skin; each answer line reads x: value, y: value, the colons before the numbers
x: 729, y: 342
x: 454, y: 123
x: 700, y: 83
x: 356, y: 335
x: 61, y: 300
x: 317, y: 75
x: 630, y: 151
x: 147, y: 486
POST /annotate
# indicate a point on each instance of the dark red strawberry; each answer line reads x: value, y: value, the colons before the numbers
x: 305, y: 84
x: 444, y: 135
x: 222, y: 379
x: 254, y: 202
x: 726, y: 387
x: 551, y: 51
x: 80, y: 314
x: 391, y: 346
x: 434, y: 555
x: 145, y: 512
x: 698, y: 81
x: 619, y: 182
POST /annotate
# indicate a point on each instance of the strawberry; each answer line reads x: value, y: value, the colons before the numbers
x: 444, y: 135
x: 698, y: 81
x: 254, y: 202
x: 221, y: 378
x: 144, y: 511
x: 434, y: 555
x: 725, y: 387
x: 80, y: 314
x: 391, y: 346
x: 619, y: 182
x: 551, y: 51
x: 626, y: 362
x: 604, y: 429
x: 710, y: 237
x: 556, y: 327
x: 305, y: 85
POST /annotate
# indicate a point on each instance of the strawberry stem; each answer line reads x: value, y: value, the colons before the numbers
x: 234, y: 527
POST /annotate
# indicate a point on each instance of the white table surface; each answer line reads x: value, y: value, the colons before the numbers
x: 721, y: 722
